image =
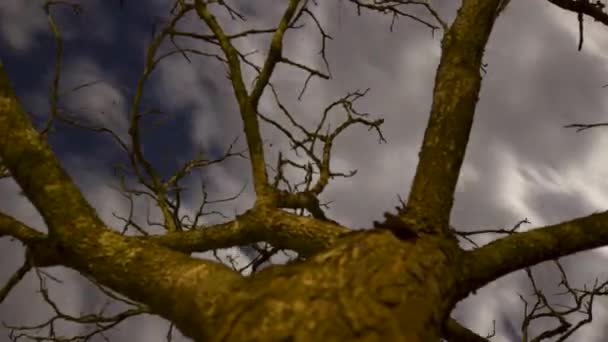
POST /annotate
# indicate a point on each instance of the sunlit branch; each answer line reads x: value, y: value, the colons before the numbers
x: 81, y: 240
x: 10, y: 226
x: 32, y: 164
x: 283, y: 230
x: 529, y: 248
x: 457, y: 86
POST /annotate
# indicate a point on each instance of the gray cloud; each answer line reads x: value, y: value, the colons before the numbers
x: 520, y: 162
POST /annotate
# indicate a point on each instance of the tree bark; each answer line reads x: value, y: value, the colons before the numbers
x: 369, y: 287
x: 374, y: 285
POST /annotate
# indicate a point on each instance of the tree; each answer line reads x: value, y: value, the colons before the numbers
x: 396, y: 282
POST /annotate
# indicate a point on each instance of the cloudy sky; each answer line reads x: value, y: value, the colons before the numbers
x: 521, y: 162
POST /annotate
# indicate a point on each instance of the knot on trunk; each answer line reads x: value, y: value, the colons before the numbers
x: 400, y: 229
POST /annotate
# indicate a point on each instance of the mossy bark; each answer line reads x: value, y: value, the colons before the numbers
x: 363, y: 286
x: 369, y: 287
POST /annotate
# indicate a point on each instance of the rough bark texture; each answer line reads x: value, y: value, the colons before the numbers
x: 395, y: 284
x: 457, y: 85
x: 370, y: 286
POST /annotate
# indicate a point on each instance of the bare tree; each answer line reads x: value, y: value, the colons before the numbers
x: 396, y: 282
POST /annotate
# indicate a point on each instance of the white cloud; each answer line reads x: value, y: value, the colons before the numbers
x: 481, y: 312
x: 102, y: 103
x: 20, y: 33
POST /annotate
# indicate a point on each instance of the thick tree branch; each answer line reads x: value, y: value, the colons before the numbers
x: 283, y: 230
x: 10, y: 226
x: 82, y: 242
x: 455, y: 96
x: 34, y: 167
x: 521, y: 250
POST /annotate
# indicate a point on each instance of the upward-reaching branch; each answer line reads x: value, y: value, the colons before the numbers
x: 248, y: 103
x: 248, y: 111
x: 455, y: 96
x: 275, y: 53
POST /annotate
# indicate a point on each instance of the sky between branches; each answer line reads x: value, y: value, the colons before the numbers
x: 521, y: 162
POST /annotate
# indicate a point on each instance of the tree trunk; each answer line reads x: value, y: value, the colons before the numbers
x: 370, y: 287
